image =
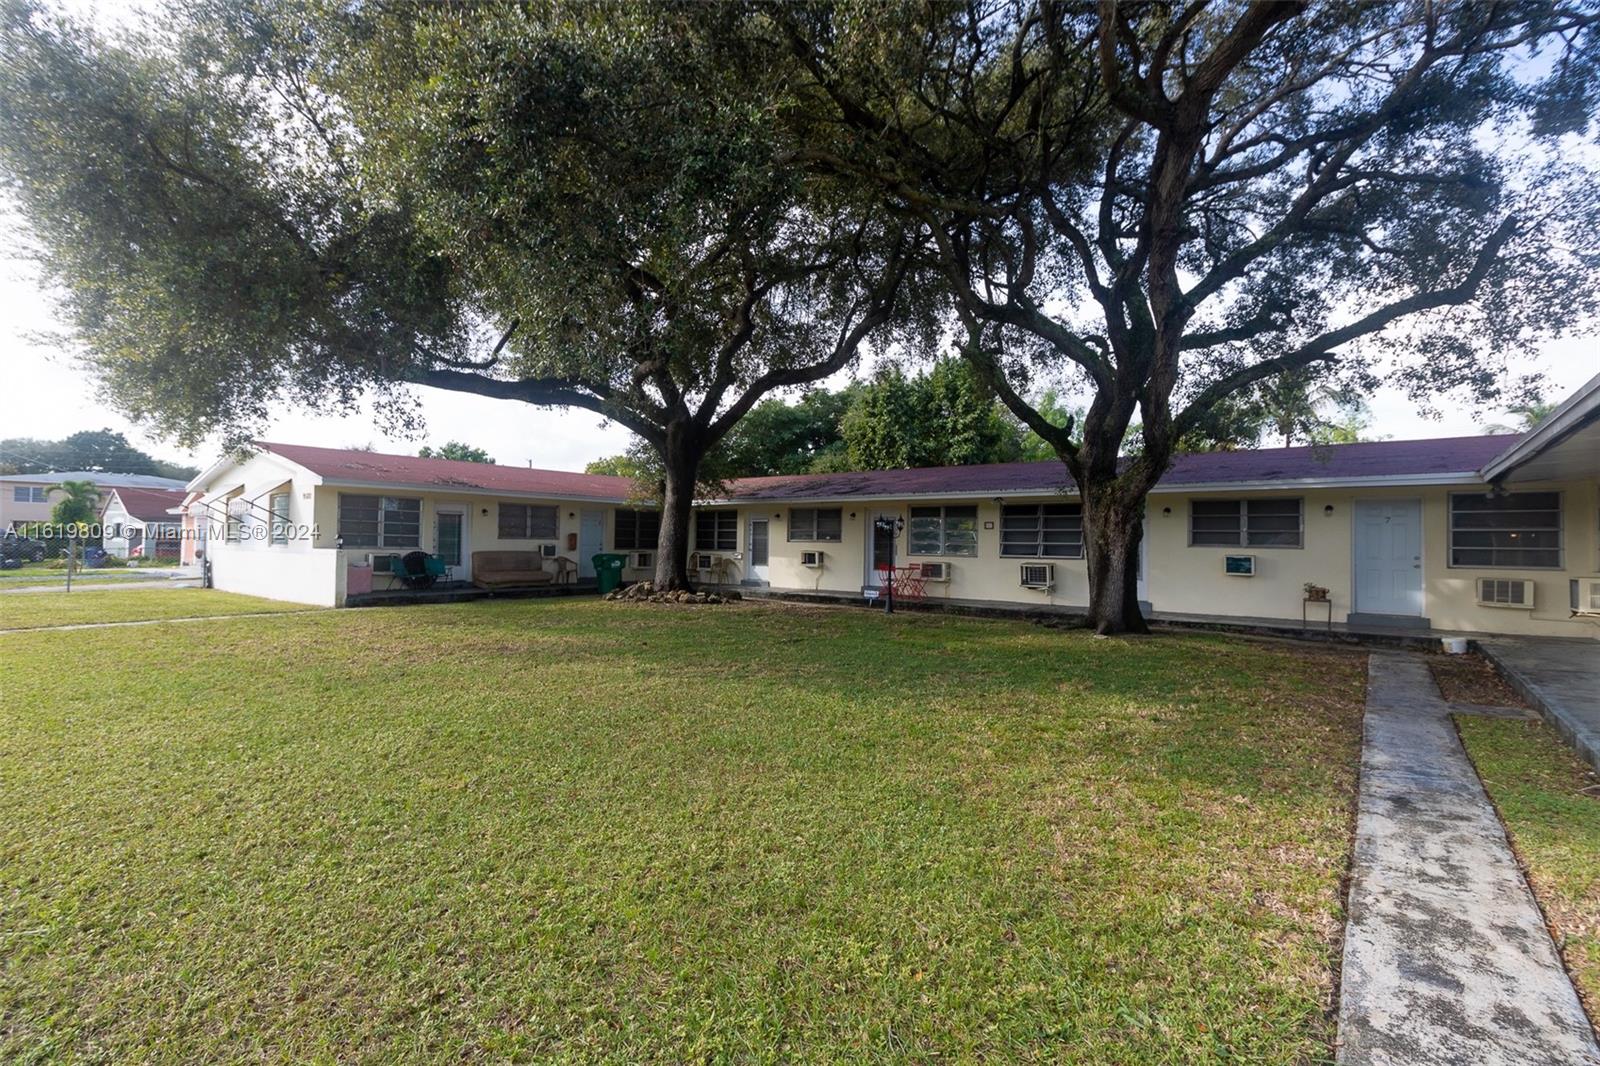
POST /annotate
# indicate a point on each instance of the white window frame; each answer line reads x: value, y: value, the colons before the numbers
x: 278, y: 529
x: 810, y: 532
x: 1560, y: 531
x: 383, y: 542
x: 1243, y: 504
x: 1036, y: 549
x: 528, y: 510
x: 942, y: 531
x: 722, y: 535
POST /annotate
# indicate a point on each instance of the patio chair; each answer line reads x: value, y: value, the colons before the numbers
x: 566, y: 569
x: 417, y: 570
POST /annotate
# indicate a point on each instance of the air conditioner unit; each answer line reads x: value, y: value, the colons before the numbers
x: 1239, y: 565
x: 644, y: 560
x: 1505, y: 592
x: 700, y: 561
x: 934, y: 571
x: 1585, y: 597
x: 1039, y: 576
x: 547, y: 551
x: 812, y: 559
x: 382, y: 564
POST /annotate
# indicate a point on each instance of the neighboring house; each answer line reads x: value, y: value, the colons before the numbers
x: 1486, y: 533
x: 28, y: 498
x: 143, y: 523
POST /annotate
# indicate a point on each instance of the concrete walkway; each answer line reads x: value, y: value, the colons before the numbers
x: 1447, y: 959
x: 1561, y: 678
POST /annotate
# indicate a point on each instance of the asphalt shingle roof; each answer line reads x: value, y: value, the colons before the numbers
x: 1441, y: 457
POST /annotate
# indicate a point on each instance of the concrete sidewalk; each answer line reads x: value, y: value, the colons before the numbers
x: 1447, y: 959
x: 1561, y: 678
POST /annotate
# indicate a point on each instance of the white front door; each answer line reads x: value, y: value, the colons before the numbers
x: 1388, y: 557
x: 591, y: 540
x: 881, y: 548
x: 450, y: 541
x: 758, y: 549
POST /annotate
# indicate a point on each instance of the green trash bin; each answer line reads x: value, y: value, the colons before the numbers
x: 608, y: 570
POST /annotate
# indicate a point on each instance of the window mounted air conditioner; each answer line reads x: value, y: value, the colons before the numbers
x: 934, y: 571
x: 1239, y: 565
x: 1038, y: 576
x: 700, y: 561
x: 1585, y: 597
x: 644, y: 560
x: 1505, y: 592
x: 811, y: 559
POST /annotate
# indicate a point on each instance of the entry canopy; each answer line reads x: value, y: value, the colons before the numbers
x: 1564, y: 447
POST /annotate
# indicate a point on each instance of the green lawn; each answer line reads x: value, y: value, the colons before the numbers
x: 16, y: 579
x: 1550, y: 801
x: 592, y: 831
x: 31, y: 610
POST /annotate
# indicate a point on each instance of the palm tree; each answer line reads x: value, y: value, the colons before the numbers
x: 1527, y: 415
x: 73, y: 514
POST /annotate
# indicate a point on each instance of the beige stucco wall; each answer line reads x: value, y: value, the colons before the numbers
x: 1183, y: 579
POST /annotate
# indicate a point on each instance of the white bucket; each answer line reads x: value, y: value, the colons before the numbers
x: 1454, y: 645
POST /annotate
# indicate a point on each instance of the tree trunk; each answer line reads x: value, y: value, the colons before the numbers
x: 681, y: 460
x: 1113, y: 518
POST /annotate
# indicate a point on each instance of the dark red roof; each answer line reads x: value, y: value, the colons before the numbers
x: 1440, y: 457
x: 340, y: 464
x: 150, y: 505
x: 1375, y: 459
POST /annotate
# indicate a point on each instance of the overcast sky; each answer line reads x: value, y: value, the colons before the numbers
x: 48, y: 397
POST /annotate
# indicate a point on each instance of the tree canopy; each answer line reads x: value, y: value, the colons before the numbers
x: 454, y: 449
x: 1175, y: 202
x: 102, y: 450
x: 588, y: 205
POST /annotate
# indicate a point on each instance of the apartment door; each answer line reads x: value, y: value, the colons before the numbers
x: 1388, y: 557
x: 450, y: 541
x: 591, y: 540
x: 882, y: 550
x: 758, y: 550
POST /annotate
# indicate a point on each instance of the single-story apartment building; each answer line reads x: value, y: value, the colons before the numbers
x: 1476, y: 534
x: 143, y: 523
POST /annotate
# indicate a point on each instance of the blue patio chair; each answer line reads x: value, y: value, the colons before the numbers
x: 417, y: 570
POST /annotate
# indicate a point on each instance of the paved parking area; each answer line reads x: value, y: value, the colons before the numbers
x: 1559, y: 677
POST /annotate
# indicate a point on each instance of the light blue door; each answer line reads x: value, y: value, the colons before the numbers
x: 591, y: 540
x: 1388, y: 557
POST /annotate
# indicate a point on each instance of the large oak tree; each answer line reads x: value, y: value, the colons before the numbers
x: 588, y: 205
x: 1177, y: 201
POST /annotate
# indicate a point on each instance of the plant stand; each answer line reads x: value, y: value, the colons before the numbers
x: 1305, y: 610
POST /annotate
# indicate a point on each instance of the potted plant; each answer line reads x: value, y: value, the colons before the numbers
x: 1315, y: 591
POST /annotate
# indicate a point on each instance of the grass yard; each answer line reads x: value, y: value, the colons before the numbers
x: 592, y: 831
x: 1550, y: 802
x: 32, y: 610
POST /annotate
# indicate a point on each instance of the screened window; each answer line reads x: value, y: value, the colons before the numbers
x: 636, y: 530
x: 380, y: 521
x: 943, y: 531
x: 816, y: 523
x: 233, y: 524
x: 1042, y: 531
x: 30, y: 494
x: 1516, y: 529
x: 1272, y: 523
x: 522, y: 521
x: 278, y: 504
x: 716, y: 531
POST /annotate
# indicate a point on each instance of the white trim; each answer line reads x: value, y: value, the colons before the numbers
x: 1041, y: 492
x: 1575, y: 412
x: 392, y: 487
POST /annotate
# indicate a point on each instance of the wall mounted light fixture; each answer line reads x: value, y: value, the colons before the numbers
x: 1166, y: 510
x: 1328, y: 510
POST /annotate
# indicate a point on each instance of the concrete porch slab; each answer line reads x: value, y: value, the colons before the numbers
x: 1559, y: 677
